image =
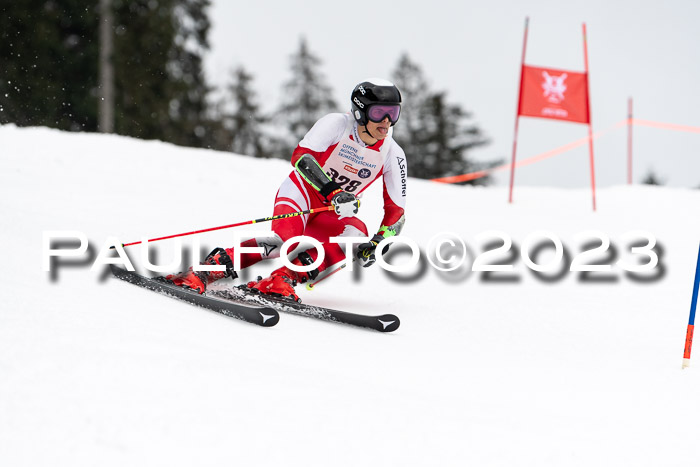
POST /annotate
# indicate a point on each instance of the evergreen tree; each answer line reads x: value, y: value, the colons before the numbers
x: 244, y: 124
x: 652, y: 179
x: 49, y: 67
x: 192, y: 124
x: 161, y: 90
x: 408, y: 77
x: 446, y: 139
x: 142, y: 42
x: 436, y: 135
x: 48, y: 64
x: 306, y: 96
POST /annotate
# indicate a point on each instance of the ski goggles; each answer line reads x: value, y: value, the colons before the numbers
x: 378, y: 112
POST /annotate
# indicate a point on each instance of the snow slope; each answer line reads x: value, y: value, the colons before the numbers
x: 526, y: 372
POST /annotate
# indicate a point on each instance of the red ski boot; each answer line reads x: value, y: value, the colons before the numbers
x: 199, y: 280
x: 282, y: 281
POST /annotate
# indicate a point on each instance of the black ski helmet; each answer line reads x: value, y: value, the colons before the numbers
x: 370, y: 92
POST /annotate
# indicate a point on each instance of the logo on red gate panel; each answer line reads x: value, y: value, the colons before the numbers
x: 554, y: 87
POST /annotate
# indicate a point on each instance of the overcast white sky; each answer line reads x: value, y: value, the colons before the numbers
x: 648, y: 50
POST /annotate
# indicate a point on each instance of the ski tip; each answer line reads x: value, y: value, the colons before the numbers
x: 388, y: 323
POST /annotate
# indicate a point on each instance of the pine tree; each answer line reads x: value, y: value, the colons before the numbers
x: 49, y: 67
x: 408, y: 77
x: 306, y: 96
x: 191, y: 123
x: 142, y: 42
x: 652, y: 179
x: 244, y: 123
x: 48, y: 64
x: 447, y: 137
x: 436, y: 135
x: 161, y: 89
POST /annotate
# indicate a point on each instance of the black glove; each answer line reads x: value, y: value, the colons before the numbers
x: 365, y: 251
x: 346, y: 204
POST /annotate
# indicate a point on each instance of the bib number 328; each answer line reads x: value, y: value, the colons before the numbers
x: 342, y: 180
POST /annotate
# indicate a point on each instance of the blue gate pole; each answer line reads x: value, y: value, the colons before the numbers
x: 691, y: 320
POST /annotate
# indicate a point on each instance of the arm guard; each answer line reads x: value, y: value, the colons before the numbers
x: 308, y: 167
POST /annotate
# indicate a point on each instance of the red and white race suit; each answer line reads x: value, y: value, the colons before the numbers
x: 335, y: 144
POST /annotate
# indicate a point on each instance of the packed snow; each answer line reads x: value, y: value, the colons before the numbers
x: 487, y: 369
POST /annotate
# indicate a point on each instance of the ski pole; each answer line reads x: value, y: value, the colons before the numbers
x: 311, y: 285
x: 255, y: 221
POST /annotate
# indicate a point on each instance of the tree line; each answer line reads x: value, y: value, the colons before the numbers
x: 51, y: 75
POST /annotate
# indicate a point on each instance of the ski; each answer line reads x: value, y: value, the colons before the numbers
x: 259, y: 314
x: 382, y: 323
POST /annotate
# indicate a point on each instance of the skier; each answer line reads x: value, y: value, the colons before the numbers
x: 338, y: 159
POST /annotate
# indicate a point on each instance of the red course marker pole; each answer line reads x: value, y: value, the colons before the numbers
x: 630, y: 120
x: 588, y: 105
x: 517, y: 113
